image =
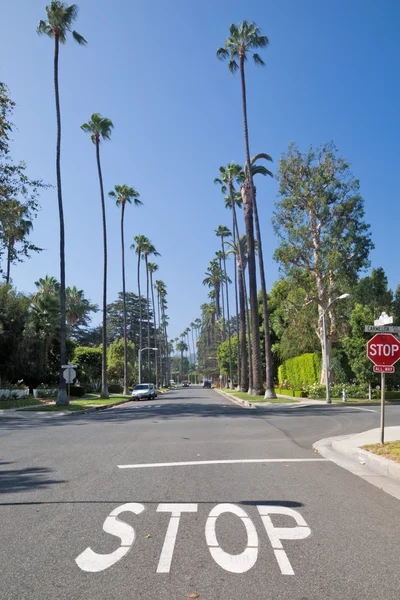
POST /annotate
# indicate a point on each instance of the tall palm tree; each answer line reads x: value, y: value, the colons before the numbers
x: 78, y: 307
x: 161, y: 293
x: 262, y: 170
x: 60, y: 18
x: 100, y: 129
x: 152, y: 268
x: 244, y: 39
x: 48, y: 285
x: 148, y: 250
x: 223, y: 232
x: 213, y: 280
x: 122, y: 194
x: 229, y: 176
x: 141, y: 241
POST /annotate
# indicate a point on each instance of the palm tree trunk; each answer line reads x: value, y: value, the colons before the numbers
x: 228, y: 317
x: 244, y: 384
x: 249, y: 341
x: 155, y: 329
x: 62, y: 398
x: 235, y: 265
x: 269, y: 380
x: 148, y: 316
x: 140, y: 314
x: 248, y: 196
x: 126, y: 378
x: 223, y: 336
x: 104, y: 387
x: 160, y: 338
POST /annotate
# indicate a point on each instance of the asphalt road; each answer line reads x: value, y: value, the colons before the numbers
x: 82, y: 517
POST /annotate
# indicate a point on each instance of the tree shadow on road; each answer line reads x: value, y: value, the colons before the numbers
x: 26, y: 479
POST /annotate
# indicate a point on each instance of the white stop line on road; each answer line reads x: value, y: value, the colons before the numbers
x: 92, y: 562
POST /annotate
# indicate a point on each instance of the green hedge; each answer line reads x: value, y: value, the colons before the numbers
x: 115, y: 388
x: 294, y: 393
x: 300, y: 371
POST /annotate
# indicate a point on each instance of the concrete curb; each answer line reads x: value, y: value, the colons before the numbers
x: 378, y: 470
x: 239, y: 401
x: 95, y: 408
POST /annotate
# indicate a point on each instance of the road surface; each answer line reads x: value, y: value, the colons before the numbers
x: 190, y: 494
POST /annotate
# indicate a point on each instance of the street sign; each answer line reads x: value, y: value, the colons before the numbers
x: 383, y: 349
x: 384, y: 319
x: 69, y: 375
x: 381, y: 369
x: 382, y: 329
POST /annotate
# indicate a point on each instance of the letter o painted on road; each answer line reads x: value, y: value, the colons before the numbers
x: 234, y: 563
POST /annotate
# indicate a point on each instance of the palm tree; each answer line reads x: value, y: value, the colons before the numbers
x: 230, y: 175
x: 100, y: 128
x: 48, y: 285
x: 181, y: 347
x: 152, y: 268
x: 122, y: 194
x: 141, y: 241
x: 213, y: 280
x: 16, y: 227
x: 161, y: 293
x: 148, y: 250
x: 262, y: 170
x: 60, y: 18
x: 244, y: 39
x: 78, y: 307
x: 224, y: 232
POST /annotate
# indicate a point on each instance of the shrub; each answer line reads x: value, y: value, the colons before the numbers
x: 115, y: 388
x: 301, y: 370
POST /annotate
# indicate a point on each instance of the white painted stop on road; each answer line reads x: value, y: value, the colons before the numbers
x: 383, y: 349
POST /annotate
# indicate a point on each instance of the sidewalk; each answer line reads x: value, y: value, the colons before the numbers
x: 345, y: 450
x: 298, y: 403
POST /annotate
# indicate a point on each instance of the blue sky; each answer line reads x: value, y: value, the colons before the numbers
x: 332, y: 74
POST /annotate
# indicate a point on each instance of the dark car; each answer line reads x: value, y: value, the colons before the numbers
x: 206, y: 383
x: 185, y: 384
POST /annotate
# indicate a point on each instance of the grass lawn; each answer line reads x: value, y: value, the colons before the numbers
x: 19, y: 403
x: 390, y: 450
x: 249, y: 398
x: 79, y: 404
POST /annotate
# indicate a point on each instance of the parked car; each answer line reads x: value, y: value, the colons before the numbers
x: 144, y: 390
x: 206, y: 383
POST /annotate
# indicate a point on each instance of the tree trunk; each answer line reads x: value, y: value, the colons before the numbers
x: 223, y: 336
x: 9, y: 249
x: 244, y: 383
x: 248, y: 196
x: 148, y: 316
x: 140, y: 313
x: 155, y: 330
x: 160, y: 338
x: 104, y: 387
x: 228, y: 317
x: 62, y: 398
x: 235, y: 265
x: 126, y: 377
x: 269, y: 379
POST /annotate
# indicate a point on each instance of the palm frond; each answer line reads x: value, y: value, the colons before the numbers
x: 79, y: 38
x: 233, y: 66
x: 258, y: 60
x: 44, y: 28
x: 222, y: 53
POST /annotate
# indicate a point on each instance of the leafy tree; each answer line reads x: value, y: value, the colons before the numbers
x: 225, y: 359
x: 123, y: 195
x: 88, y: 362
x: 115, y: 318
x: 116, y: 352
x: 13, y: 321
x: 244, y: 39
x: 319, y: 220
x: 355, y: 344
x: 60, y: 18
x: 373, y: 291
x: 99, y: 129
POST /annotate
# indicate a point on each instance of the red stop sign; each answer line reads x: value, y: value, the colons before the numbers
x: 383, y: 349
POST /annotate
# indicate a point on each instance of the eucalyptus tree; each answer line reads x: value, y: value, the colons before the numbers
x: 99, y: 129
x: 245, y: 39
x: 223, y: 232
x: 152, y: 268
x: 60, y: 18
x: 123, y: 194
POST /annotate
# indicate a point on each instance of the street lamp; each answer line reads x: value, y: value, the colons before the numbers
x: 328, y: 393
x: 140, y: 361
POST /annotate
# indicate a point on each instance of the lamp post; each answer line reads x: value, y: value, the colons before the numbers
x: 140, y: 361
x: 326, y: 358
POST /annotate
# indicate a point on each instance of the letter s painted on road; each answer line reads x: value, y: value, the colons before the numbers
x: 91, y: 561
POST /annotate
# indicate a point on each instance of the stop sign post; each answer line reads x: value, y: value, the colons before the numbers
x: 384, y: 351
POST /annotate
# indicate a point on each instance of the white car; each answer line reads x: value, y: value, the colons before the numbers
x: 144, y: 390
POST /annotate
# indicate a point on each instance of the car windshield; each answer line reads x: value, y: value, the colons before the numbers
x: 142, y: 386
